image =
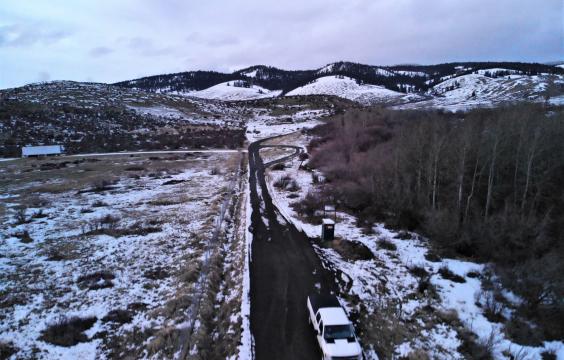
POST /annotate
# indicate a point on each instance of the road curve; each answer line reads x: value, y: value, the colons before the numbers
x: 284, y: 270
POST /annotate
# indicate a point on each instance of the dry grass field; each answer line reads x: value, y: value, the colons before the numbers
x: 110, y: 257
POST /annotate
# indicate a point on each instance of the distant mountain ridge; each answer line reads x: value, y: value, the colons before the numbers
x: 400, y: 78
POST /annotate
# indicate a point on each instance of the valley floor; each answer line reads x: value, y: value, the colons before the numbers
x: 119, y: 256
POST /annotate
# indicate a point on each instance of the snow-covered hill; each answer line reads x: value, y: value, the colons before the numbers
x: 227, y: 91
x: 479, y: 90
x: 349, y: 88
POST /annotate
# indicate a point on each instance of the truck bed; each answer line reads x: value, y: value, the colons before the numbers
x: 323, y: 301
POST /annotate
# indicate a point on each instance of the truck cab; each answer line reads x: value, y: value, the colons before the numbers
x: 334, y: 330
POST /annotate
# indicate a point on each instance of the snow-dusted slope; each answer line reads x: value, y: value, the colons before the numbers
x: 478, y: 90
x: 348, y: 88
x: 226, y: 91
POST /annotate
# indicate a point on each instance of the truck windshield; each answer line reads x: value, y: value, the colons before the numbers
x: 338, y: 332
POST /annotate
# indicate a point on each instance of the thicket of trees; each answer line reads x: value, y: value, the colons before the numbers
x: 487, y: 185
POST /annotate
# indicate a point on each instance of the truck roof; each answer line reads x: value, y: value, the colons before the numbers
x: 334, y: 316
x: 319, y: 301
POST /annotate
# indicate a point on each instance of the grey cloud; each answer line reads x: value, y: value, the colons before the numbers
x: 292, y: 34
x: 146, y: 47
x: 100, y: 51
x: 212, y: 39
x: 17, y: 35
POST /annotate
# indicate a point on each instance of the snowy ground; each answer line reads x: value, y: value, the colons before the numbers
x: 348, y: 88
x: 390, y: 279
x: 477, y: 90
x: 262, y: 126
x: 134, y: 243
x: 228, y: 92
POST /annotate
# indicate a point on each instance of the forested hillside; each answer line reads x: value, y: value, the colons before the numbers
x: 402, y: 78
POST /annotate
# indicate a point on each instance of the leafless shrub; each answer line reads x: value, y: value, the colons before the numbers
x: 472, y: 347
x: 135, y: 168
x: 383, y: 328
x: 24, y: 237
x: 119, y: 316
x: 68, y: 331
x: 447, y: 274
x: 102, y: 225
x: 190, y: 272
x: 314, y: 177
x: 519, y: 354
x: 157, y: 273
x: 99, y: 203
x: 549, y: 355
x: 175, y: 181
x: 309, y: 206
x: 418, y: 354
x: 432, y: 256
x: 424, y: 284
x: 21, y: 217
x: 418, y: 271
x: 62, y: 250
x: 39, y: 214
x: 278, y: 167
x: 522, y: 333
x: 386, y: 244
x: 403, y: 235
x: 96, y: 280
x: 176, y: 305
x: 493, y: 309
x: 215, y: 170
x: 102, y: 185
x: 163, y: 202
x: 10, y: 299
x: 490, y: 343
x: 283, y: 182
x: 7, y: 349
x: 164, y: 342
x: 350, y: 249
x: 449, y: 317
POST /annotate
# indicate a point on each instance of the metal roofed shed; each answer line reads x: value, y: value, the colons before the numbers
x: 45, y: 150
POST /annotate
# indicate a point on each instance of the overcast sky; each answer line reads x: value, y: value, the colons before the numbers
x: 112, y: 40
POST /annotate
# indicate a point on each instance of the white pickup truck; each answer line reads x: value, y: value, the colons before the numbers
x: 335, y: 332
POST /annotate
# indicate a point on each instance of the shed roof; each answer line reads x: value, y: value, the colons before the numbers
x: 42, y: 150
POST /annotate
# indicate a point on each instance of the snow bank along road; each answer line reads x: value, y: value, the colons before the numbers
x: 284, y: 269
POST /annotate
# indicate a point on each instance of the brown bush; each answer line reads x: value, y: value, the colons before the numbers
x: 387, y: 245
x: 7, y: 349
x: 447, y: 274
x: 522, y: 333
x: 278, y: 167
x: 119, y: 316
x: 24, y: 237
x: 96, y: 280
x: 68, y: 331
